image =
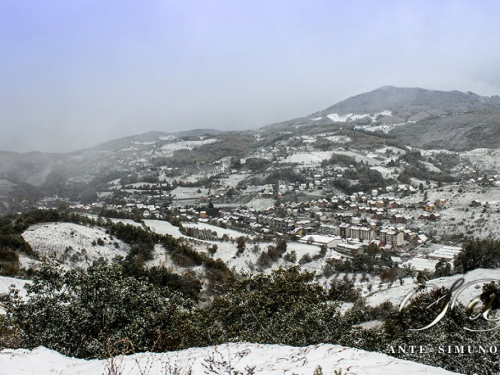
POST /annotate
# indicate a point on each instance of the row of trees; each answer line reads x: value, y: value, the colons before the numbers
x: 478, y: 253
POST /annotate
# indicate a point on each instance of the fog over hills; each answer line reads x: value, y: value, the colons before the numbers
x: 404, y: 101
x: 416, y: 117
x: 154, y: 136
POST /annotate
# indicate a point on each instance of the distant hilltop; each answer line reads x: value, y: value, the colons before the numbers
x: 407, y: 102
x: 418, y: 117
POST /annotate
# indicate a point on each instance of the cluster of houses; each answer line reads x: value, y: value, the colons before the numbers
x: 348, y: 224
x: 358, y: 219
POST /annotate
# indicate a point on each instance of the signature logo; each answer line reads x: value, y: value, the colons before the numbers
x: 450, y: 299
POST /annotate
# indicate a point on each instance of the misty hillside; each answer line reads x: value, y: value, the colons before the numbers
x: 49, y: 172
x: 406, y: 102
x: 428, y: 119
x: 417, y: 117
x: 396, y: 105
x: 153, y: 136
x: 458, y: 132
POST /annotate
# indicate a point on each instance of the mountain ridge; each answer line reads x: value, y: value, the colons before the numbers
x: 418, y: 117
x: 409, y: 98
x: 384, y: 106
x: 151, y: 136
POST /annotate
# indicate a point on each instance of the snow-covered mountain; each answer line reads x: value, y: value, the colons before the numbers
x: 453, y: 120
x: 406, y: 100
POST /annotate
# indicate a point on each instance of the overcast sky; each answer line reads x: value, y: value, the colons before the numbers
x: 74, y: 73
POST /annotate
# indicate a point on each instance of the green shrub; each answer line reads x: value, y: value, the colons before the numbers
x: 284, y: 307
x: 81, y: 313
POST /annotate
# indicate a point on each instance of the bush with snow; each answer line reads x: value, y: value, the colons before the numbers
x: 89, y: 313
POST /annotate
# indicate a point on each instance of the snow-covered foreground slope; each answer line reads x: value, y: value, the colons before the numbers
x: 224, y: 359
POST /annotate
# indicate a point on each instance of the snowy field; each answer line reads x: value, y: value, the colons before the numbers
x: 339, y: 139
x: 126, y: 221
x: 431, y: 167
x: 335, y: 117
x: 247, y: 262
x: 195, y: 177
x: 73, y: 244
x: 226, y: 250
x: 163, y: 227
x: 225, y: 359
x: 483, y: 158
x: 480, y: 158
x: 383, y: 127
x: 395, y: 150
x: 141, y: 184
x: 384, y: 171
x: 260, y: 203
x: 313, y: 158
x: 6, y: 282
x: 188, y: 192
x: 232, y: 234
x: 159, y: 258
x: 26, y: 262
x: 169, y: 149
x: 233, y: 180
x: 362, y: 157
